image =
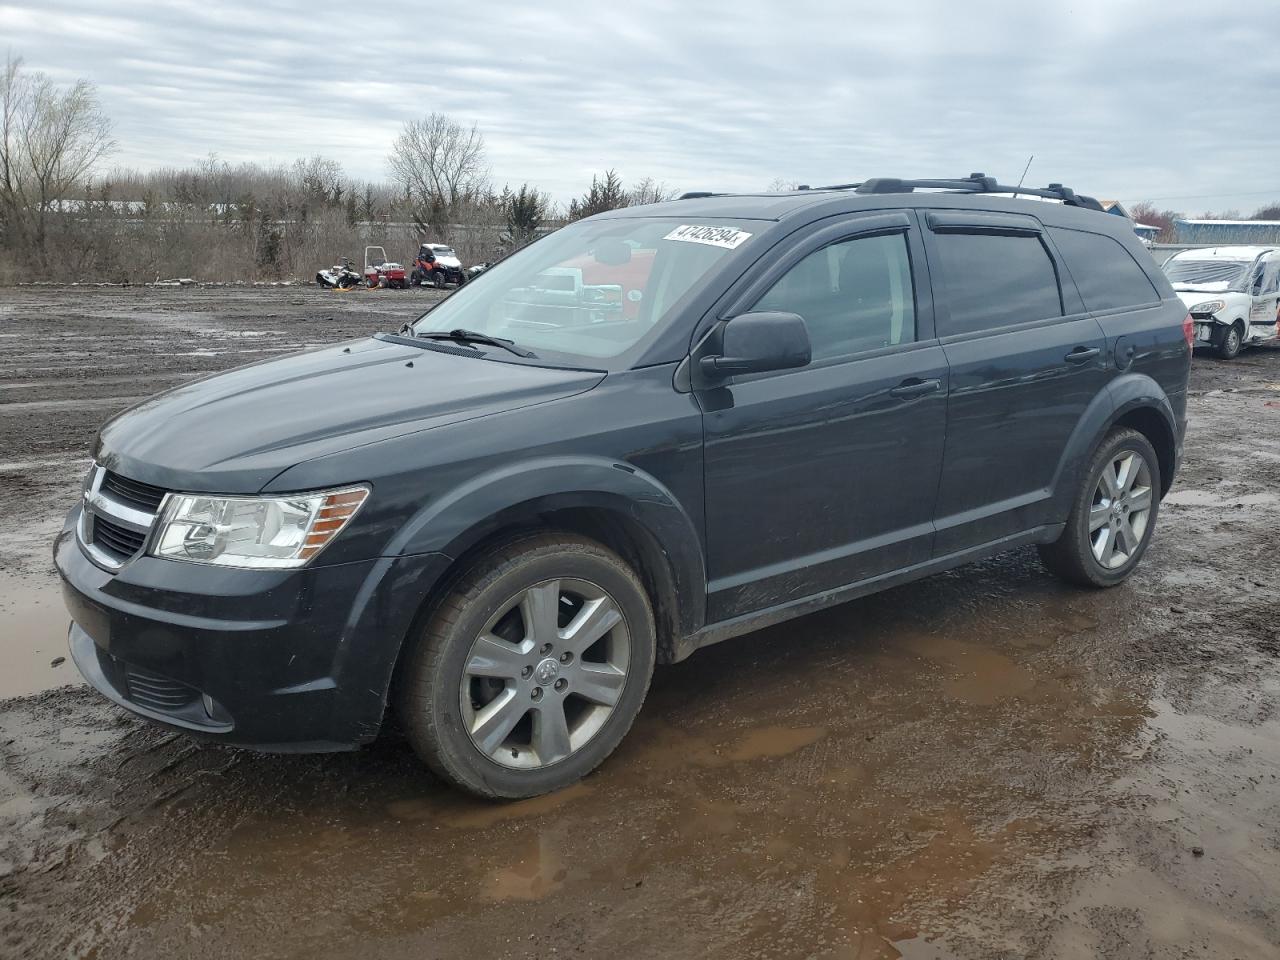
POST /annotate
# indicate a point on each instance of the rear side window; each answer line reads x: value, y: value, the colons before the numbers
x: 854, y: 296
x: 993, y: 280
x: 1104, y: 271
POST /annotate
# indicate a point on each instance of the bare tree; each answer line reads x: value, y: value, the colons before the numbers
x: 650, y: 190
x: 1147, y: 213
x: 441, y: 166
x: 50, y: 141
x: 321, y: 179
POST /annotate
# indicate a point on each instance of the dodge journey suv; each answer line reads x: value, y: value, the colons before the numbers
x: 741, y: 409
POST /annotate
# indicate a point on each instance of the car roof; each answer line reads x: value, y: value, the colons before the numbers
x: 739, y: 206
x: 802, y: 206
x: 1238, y: 252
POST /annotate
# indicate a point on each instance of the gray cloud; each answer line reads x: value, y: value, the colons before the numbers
x: 1132, y: 100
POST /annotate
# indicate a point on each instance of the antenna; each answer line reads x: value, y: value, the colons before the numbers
x: 1024, y: 173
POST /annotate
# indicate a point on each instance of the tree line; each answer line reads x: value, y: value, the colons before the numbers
x: 63, y: 218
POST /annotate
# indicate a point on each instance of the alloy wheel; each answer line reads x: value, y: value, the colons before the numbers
x: 1121, y: 509
x: 545, y: 673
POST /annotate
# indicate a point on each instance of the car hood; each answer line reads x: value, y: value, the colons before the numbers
x: 235, y: 431
x: 448, y: 261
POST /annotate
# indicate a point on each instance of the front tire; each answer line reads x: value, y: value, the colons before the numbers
x: 1231, y: 341
x: 1113, y: 515
x: 530, y: 670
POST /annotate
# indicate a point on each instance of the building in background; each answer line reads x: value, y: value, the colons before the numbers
x: 1116, y: 208
x: 1226, y: 231
x: 1144, y: 230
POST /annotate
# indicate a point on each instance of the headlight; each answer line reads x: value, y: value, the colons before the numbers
x: 274, y: 532
x: 1209, y: 306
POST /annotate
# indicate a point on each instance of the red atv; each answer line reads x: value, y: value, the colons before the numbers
x: 435, y: 266
x: 381, y: 272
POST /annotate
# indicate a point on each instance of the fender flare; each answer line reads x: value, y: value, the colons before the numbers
x: 1124, y: 394
x: 517, y: 494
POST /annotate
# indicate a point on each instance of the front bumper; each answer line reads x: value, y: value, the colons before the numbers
x: 1206, y: 329
x: 289, y: 660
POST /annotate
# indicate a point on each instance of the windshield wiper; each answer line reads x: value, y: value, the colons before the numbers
x: 459, y: 335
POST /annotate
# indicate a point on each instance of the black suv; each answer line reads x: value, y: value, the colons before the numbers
x: 733, y: 411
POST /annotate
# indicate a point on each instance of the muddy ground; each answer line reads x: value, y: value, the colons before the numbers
x: 983, y: 764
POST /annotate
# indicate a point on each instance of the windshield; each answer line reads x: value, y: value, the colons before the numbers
x: 592, y: 291
x: 1218, y: 274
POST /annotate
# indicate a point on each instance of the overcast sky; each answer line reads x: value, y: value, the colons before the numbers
x: 1137, y: 100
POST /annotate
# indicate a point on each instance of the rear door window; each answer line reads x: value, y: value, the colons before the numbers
x: 993, y: 279
x: 1105, y: 273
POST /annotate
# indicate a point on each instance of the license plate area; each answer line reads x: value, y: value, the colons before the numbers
x: 1204, y: 332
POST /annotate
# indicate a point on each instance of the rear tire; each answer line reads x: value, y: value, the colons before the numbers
x: 1231, y: 341
x: 1113, y: 515
x: 508, y: 691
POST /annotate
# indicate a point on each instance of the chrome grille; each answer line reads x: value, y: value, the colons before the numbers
x: 119, y: 540
x: 141, y: 495
x: 116, y: 517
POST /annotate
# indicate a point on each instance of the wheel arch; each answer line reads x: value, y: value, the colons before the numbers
x: 1133, y: 400
x: 615, y: 504
x: 1149, y: 422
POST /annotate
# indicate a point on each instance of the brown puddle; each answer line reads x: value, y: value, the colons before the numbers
x: 468, y: 814
x: 773, y: 742
x: 980, y: 675
x: 854, y: 814
x: 537, y: 873
x: 33, y: 633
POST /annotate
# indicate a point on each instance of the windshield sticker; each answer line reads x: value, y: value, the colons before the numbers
x: 728, y: 237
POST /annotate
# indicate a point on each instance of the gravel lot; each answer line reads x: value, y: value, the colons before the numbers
x: 984, y: 764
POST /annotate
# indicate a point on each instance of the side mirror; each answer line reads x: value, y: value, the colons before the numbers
x: 755, y: 342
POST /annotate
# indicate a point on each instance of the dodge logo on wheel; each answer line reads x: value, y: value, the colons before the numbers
x: 547, y: 671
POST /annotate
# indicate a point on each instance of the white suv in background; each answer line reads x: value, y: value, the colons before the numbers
x: 1232, y: 294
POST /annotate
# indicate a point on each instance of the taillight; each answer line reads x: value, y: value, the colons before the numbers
x: 1189, y: 330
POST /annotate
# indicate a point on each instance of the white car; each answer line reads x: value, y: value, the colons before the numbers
x: 1232, y: 294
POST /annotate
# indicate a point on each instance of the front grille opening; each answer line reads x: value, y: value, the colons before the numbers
x: 120, y: 542
x: 143, y: 496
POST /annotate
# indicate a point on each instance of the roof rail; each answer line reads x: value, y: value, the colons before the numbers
x: 698, y: 195
x: 974, y: 183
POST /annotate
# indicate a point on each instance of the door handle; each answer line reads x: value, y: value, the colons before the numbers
x: 1082, y: 354
x: 910, y: 389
